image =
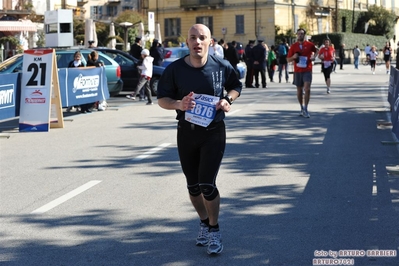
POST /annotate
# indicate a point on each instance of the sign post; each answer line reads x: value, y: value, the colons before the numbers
x: 39, y: 91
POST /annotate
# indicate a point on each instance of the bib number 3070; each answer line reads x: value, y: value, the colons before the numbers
x: 204, y: 111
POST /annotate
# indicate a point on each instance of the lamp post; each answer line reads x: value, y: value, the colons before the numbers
x: 125, y: 25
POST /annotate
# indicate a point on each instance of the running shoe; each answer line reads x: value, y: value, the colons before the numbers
x: 203, y: 235
x: 306, y: 114
x: 130, y: 97
x: 328, y: 90
x: 215, y: 245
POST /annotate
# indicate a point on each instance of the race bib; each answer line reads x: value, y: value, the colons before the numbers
x: 303, y: 62
x: 327, y: 64
x: 204, y: 111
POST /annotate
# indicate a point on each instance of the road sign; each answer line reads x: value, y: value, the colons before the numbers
x: 40, y: 91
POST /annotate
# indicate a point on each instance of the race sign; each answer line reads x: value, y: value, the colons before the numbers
x: 39, y: 90
x: 204, y: 111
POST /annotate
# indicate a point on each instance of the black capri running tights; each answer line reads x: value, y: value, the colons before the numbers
x: 201, y: 151
x: 327, y: 72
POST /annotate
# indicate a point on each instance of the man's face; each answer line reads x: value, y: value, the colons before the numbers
x: 300, y: 35
x: 198, y: 40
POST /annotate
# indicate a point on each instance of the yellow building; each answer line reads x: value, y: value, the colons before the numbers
x: 243, y: 20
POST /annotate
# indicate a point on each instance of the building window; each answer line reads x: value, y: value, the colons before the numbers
x: 112, y: 11
x: 240, y: 24
x: 172, y: 27
x: 343, y: 28
x: 207, y: 21
x: 124, y: 8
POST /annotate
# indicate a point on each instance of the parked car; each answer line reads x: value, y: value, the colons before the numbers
x: 174, y: 53
x: 63, y: 57
x: 130, y: 74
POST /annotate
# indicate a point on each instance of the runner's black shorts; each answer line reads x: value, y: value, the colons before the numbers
x: 201, y: 151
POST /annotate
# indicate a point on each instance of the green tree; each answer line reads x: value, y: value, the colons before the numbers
x: 380, y: 22
x: 128, y: 16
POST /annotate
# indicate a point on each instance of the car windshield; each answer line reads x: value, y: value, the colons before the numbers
x: 10, y: 61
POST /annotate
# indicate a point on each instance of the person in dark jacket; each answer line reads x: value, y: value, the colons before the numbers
x: 231, y: 55
x: 341, y: 56
x: 136, y: 49
x: 77, y: 62
x: 249, y: 61
x: 259, y: 54
x: 157, y: 52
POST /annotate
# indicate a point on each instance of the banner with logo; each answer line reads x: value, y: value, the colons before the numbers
x: 9, y: 95
x: 82, y: 85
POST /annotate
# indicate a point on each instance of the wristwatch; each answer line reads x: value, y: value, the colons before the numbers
x: 229, y: 99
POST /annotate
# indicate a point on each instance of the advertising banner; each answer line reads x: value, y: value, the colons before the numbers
x: 393, y: 99
x: 82, y: 85
x: 9, y: 105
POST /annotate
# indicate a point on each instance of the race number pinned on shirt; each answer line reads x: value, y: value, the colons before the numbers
x: 204, y: 111
x: 327, y: 64
x: 303, y: 62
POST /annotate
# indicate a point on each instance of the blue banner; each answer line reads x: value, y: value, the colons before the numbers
x: 393, y: 99
x: 9, y: 95
x: 82, y: 85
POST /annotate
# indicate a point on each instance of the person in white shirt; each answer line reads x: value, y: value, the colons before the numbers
x: 216, y: 49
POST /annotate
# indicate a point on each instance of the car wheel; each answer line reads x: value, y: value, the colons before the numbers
x: 154, y: 85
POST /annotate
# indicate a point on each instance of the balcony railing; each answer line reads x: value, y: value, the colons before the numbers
x: 200, y: 3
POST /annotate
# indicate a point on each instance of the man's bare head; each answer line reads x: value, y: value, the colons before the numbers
x: 199, y: 40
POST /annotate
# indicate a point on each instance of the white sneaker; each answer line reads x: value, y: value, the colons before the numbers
x: 130, y: 97
x: 328, y: 90
x: 373, y: 73
x: 306, y: 114
x: 203, y: 235
x: 215, y: 245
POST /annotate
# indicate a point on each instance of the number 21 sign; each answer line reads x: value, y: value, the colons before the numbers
x: 39, y: 86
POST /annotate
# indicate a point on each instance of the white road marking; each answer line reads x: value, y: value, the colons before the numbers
x: 232, y: 113
x: 66, y: 197
x: 150, y: 152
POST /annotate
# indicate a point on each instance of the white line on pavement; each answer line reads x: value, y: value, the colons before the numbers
x: 150, y: 152
x: 66, y: 197
x: 232, y: 113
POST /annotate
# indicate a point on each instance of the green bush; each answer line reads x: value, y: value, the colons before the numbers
x: 350, y: 40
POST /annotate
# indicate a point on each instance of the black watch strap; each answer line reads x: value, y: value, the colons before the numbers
x: 229, y: 99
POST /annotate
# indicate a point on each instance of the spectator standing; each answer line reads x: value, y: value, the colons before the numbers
x: 335, y: 63
x: 282, y: 60
x: 373, y: 57
x: 216, y: 49
x: 259, y: 55
x: 249, y: 61
x: 136, y: 48
x: 231, y: 55
x: 224, y: 46
x: 387, y: 51
x: 397, y: 56
x: 302, y: 53
x: 356, y: 55
x: 145, y: 77
x: 341, y: 56
x: 271, y: 62
x: 92, y: 60
x: 326, y: 54
x: 77, y: 62
x: 201, y: 146
x: 157, y: 52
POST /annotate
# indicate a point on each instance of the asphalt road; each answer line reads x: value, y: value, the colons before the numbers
x: 107, y: 189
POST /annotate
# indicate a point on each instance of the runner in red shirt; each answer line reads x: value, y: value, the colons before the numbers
x: 326, y: 54
x: 302, y: 53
